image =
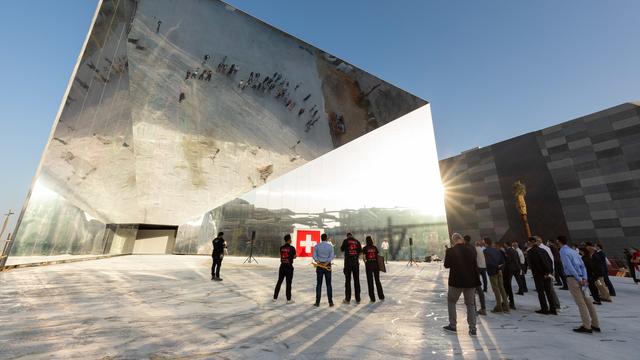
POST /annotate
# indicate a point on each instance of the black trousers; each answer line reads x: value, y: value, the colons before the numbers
x: 543, y: 287
x: 561, y: 278
x: 524, y: 278
x: 215, y: 267
x: 351, y: 268
x: 594, y: 290
x: 285, y: 272
x: 483, y: 274
x: 520, y: 280
x: 612, y: 290
x: 506, y: 281
x: 374, y: 273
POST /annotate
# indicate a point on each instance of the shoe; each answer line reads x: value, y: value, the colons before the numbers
x: 345, y: 301
x: 519, y: 293
x: 449, y: 328
x: 472, y: 332
x: 219, y: 279
x: 564, y: 288
x: 543, y: 312
x: 595, y: 328
x: 212, y: 278
x: 316, y: 305
x: 583, y: 330
x: 382, y: 299
x: 496, y: 310
x: 485, y: 290
x: 512, y: 306
x: 357, y: 302
x: 331, y: 304
x: 553, y: 312
x: 274, y: 300
x: 607, y: 300
x: 597, y: 303
x: 526, y: 290
x: 506, y: 311
x: 482, y: 312
x: 290, y: 301
x: 372, y: 301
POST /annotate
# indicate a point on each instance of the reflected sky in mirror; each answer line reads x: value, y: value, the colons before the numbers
x: 393, y: 166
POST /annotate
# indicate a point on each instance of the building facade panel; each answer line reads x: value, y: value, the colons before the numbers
x: 592, y: 168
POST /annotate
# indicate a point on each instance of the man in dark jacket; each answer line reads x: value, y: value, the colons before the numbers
x: 287, y: 254
x: 218, y: 254
x: 464, y: 278
x: 495, y: 264
x: 600, y: 258
x: 542, y: 270
x: 511, y: 268
x: 351, y: 248
x: 593, y: 273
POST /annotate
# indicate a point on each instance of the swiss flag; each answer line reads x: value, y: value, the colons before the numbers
x: 305, y: 240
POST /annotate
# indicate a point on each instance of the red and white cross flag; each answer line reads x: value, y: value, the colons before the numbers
x: 305, y: 240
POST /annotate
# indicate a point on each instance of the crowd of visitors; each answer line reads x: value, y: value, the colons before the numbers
x: 581, y: 269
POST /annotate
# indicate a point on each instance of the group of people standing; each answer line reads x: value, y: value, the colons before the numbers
x: 323, y: 255
x: 574, y: 269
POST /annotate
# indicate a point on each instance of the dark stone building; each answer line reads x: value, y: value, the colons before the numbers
x: 582, y: 179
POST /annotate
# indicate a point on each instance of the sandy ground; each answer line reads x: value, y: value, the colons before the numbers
x: 165, y: 307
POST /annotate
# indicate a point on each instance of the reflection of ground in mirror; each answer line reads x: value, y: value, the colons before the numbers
x: 166, y: 306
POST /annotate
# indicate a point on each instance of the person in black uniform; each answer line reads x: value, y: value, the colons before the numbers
x: 287, y: 254
x: 351, y: 249
x: 218, y: 253
x: 370, y: 255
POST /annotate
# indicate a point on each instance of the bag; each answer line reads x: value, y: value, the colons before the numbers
x: 381, y: 265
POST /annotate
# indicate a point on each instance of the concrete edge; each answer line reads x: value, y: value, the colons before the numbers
x: 54, y: 262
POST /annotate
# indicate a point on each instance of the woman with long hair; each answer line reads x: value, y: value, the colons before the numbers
x: 370, y: 255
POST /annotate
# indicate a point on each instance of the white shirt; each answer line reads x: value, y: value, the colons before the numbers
x: 482, y: 262
x: 385, y: 245
x: 548, y: 250
x: 520, y: 255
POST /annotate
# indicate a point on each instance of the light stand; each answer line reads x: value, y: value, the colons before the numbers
x: 250, y: 257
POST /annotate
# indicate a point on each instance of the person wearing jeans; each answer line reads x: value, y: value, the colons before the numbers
x: 482, y: 266
x: 464, y: 278
x: 323, y: 255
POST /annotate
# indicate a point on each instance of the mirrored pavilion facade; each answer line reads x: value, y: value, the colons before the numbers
x: 190, y: 117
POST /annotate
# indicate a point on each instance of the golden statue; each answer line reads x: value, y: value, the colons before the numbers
x: 520, y: 191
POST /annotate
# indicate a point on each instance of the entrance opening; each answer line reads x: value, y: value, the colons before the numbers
x: 155, y: 239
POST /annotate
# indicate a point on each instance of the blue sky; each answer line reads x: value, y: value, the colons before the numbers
x: 491, y: 69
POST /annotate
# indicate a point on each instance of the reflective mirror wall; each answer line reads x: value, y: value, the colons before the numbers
x: 385, y: 184
x: 176, y: 108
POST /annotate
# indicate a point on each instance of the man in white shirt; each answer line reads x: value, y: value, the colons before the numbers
x: 482, y: 264
x: 385, y: 250
x: 520, y: 279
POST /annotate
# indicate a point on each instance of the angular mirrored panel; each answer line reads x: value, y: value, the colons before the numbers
x: 178, y: 107
x: 385, y: 184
